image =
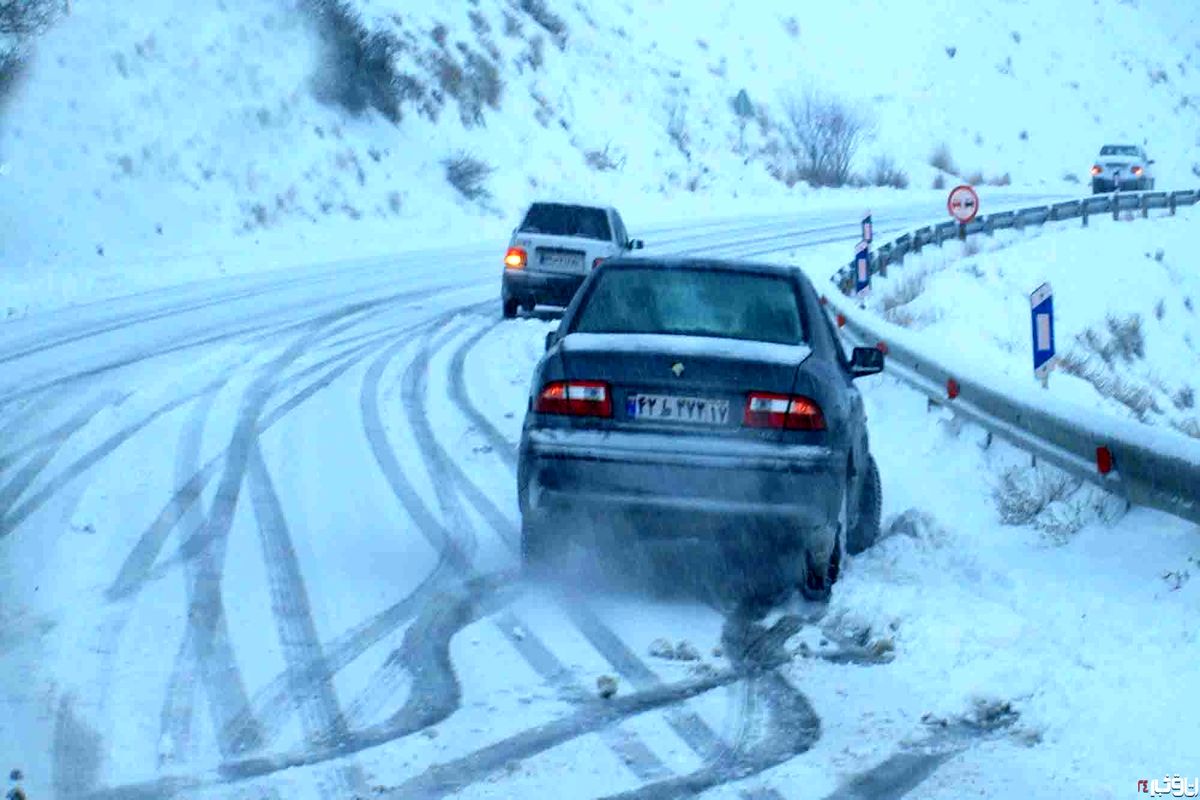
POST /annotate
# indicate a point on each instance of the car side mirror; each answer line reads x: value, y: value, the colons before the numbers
x: 866, y: 361
x: 636, y: 244
x: 551, y: 338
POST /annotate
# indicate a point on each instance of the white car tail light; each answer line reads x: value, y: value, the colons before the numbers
x: 575, y: 398
x: 789, y: 412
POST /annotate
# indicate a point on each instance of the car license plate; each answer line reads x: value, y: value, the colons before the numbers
x: 562, y: 261
x: 694, y: 410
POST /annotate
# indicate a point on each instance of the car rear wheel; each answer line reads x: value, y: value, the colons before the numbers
x: 870, y: 507
x: 510, y: 308
x: 817, y: 579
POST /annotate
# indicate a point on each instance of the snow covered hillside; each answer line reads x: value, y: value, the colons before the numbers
x: 152, y: 142
x: 1127, y: 310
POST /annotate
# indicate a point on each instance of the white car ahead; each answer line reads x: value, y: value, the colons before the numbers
x: 1122, y: 166
x: 554, y: 248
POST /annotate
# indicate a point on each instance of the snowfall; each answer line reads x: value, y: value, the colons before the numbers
x: 258, y: 524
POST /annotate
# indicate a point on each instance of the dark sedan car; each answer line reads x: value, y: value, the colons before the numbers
x: 700, y: 402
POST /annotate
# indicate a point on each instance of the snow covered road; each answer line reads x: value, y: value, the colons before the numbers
x: 258, y: 538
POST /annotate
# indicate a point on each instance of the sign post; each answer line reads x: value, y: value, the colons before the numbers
x: 963, y: 205
x: 862, y: 268
x: 866, y: 228
x: 1041, y: 311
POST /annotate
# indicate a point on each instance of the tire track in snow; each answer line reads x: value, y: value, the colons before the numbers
x: 309, y: 676
x: 19, y: 513
x: 207, y: 628
x: 139, y: 565
x: 44, y: 449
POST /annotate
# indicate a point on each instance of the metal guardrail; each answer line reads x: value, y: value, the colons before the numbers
x: 1150, y: 466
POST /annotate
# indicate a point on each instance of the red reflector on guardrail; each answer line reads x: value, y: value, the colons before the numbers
x: 841, y: 320
x: 1104, y: 460
x: 951, y: 388
x: 882, y: 347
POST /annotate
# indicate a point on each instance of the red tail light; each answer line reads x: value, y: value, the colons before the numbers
x: 515, y: 258
x: 1097, y: 169
x: 793, y: 413
x: 1137, y: 170
x: 576, y: 398
x: 596, y: 262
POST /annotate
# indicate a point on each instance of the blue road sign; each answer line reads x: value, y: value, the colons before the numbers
x: 866, y: 228
x: 1041, y: 311
x: 862, y: 267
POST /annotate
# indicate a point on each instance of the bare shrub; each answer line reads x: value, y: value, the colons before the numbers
x: 1023, y: 494
x: 479, y: 22
x: 535, y: 56
x: 547, y: 19
x: 792, y: 26
x: 940, y: 159
x: 884, y: 172
x: 468, y: 175
x: 1160, y: 310
x: 1185, y: 399
x: 603, y: 160
x: 677, y: 126
x: 358, y: 69
x: 1070, y: 177
x: 1189, y: 426
x: 1002, y: 180
x: 975, y: 178
x: 1110, y: 384
x: 26, y: 18
x: 905, y: 290
x: 939, y: 182
x: 512, y: 25
x: 823, y: 135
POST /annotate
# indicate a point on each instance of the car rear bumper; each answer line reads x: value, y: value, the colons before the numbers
x: 668, y: 486
x: 530, y: 287
x: 1100, y: 185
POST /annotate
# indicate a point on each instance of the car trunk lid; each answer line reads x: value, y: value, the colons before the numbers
x: 675, y: 382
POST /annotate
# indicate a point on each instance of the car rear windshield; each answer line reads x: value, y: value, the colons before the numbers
x: 563, y: 220
x: 1118, y: 150
x: 696, y: 302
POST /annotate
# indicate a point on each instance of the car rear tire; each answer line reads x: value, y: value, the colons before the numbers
x: 817, y: 579
x: 865, y: 531
x: 510, y: 309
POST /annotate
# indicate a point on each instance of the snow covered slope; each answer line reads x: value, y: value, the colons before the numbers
x: 1127, y: 321
x: 179, y: 138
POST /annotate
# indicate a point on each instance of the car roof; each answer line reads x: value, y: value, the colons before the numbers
x: 698, y: 263
x: 580, y: 203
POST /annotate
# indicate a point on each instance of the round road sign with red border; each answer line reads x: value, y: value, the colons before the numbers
x: 963, y: 203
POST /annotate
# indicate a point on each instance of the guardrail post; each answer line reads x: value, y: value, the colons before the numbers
x: 962, y: 232
x: 1144, y: 205
x: 1171, y: 203
x: 1116, y: 206
x: 988, y: 227
x: 1083, y: 209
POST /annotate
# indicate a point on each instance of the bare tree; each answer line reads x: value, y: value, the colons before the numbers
x: 823, y: 135
x: 23, y: 18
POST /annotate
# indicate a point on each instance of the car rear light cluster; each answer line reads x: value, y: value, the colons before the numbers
x: 789, y: 412
x: 596, y: 262
x: 515, y: 258
x: 1137, y: 170
x: 575, y: 398
x: 1097, y: 169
